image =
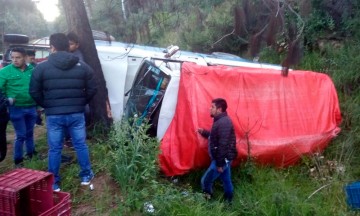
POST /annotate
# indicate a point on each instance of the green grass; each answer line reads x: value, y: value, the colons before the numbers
x: 135, y: 180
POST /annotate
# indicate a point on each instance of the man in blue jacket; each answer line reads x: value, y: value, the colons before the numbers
x: 222, y: 150
x: 63, y: 85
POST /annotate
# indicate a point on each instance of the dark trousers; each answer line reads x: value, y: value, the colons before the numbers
x: 4, y: 119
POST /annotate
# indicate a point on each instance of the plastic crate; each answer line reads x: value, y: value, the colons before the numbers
x: 353, y: 195
x: 25, y: 192
x: 62, y: 205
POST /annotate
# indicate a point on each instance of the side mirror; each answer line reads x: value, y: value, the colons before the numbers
x: 170, y: 51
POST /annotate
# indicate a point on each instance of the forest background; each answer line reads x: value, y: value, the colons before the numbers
x: 317, y: 35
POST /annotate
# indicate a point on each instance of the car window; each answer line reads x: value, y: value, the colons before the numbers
x: 41, y: 54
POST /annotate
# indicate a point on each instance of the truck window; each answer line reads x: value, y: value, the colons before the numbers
x: 146, y: 93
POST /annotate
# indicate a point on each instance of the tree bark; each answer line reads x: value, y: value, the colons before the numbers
x: 78, y: 22
x: 88, y: 6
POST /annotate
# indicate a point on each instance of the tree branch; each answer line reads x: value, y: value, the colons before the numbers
x: 300, y: 19
x: 212, y: 46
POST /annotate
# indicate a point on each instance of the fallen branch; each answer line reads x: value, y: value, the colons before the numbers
x: 322, y: 187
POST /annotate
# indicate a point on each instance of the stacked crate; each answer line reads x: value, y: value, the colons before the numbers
x: 29, y: 192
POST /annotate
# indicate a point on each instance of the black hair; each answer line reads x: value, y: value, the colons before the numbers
x: 73, y: 37
x: 30, y: 52
x: 59, y: 41
x: 220, y: 103
x: 19, y: 50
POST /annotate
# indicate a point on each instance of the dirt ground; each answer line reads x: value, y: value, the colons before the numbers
x: 104, y: 191
x: 105, y: 187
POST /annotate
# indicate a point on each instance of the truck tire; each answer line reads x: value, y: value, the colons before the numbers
x: 16, y: 39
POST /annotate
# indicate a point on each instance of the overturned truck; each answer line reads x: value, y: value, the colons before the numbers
x: 277, y: 119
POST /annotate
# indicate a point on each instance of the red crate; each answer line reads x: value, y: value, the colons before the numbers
x: 62, y: 205
x: 25, y: 192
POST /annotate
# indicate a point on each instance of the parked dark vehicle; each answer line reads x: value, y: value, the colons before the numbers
x: 16, y: 39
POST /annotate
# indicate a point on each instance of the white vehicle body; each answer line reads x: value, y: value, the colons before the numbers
x: 121, y: 62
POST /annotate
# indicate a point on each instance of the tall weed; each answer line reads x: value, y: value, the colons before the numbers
x: 134, y: 160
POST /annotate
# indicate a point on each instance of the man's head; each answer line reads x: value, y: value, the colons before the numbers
x: 59, y: 42
x: 73, y: 42
x: 18, y: 56
x: 30, y: 57
x: 218, y: 106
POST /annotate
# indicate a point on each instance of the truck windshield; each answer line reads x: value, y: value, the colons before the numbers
x: 146, y: 94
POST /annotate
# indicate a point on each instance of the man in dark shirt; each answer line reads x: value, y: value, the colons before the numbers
x: 30, y: 57
x: 31, y: 60
x: 222, y: 150
x: 74, y: 45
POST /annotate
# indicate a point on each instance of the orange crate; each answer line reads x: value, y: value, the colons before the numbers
x: 25, y: 192
x: 62, y: 205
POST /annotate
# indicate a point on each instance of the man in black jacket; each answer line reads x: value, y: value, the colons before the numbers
x: 222, y: 150
x: 63, y: 85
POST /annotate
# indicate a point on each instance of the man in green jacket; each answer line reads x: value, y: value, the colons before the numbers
x: 14, y: 82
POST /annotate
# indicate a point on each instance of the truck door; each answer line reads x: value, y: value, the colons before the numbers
x: 132, y: 69
x: 146, y: 95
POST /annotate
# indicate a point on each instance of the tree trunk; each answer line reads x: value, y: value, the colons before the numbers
x: 78, y: 22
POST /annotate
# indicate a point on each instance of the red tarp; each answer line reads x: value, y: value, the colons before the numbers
x: 285, y: 117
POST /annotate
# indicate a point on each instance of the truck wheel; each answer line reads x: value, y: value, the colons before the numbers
x: 16, y: 39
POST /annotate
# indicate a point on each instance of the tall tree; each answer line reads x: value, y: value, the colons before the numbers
x: 78, y: 22
x: 22, y: 17
x: 107, y: 17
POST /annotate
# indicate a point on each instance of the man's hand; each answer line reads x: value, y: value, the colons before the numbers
x: 220, y: 169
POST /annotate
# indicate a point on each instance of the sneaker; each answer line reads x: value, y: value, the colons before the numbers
x: 56, y: 187
x: 207, y: 196
x: 30, y: 156
x: 228, y: 197
x: 86, y: 180
x: 19, y: 165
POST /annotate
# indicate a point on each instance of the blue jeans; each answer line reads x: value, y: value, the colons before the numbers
x: 23, y: 120
x: 211, y: 174
x: 56, y: 127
